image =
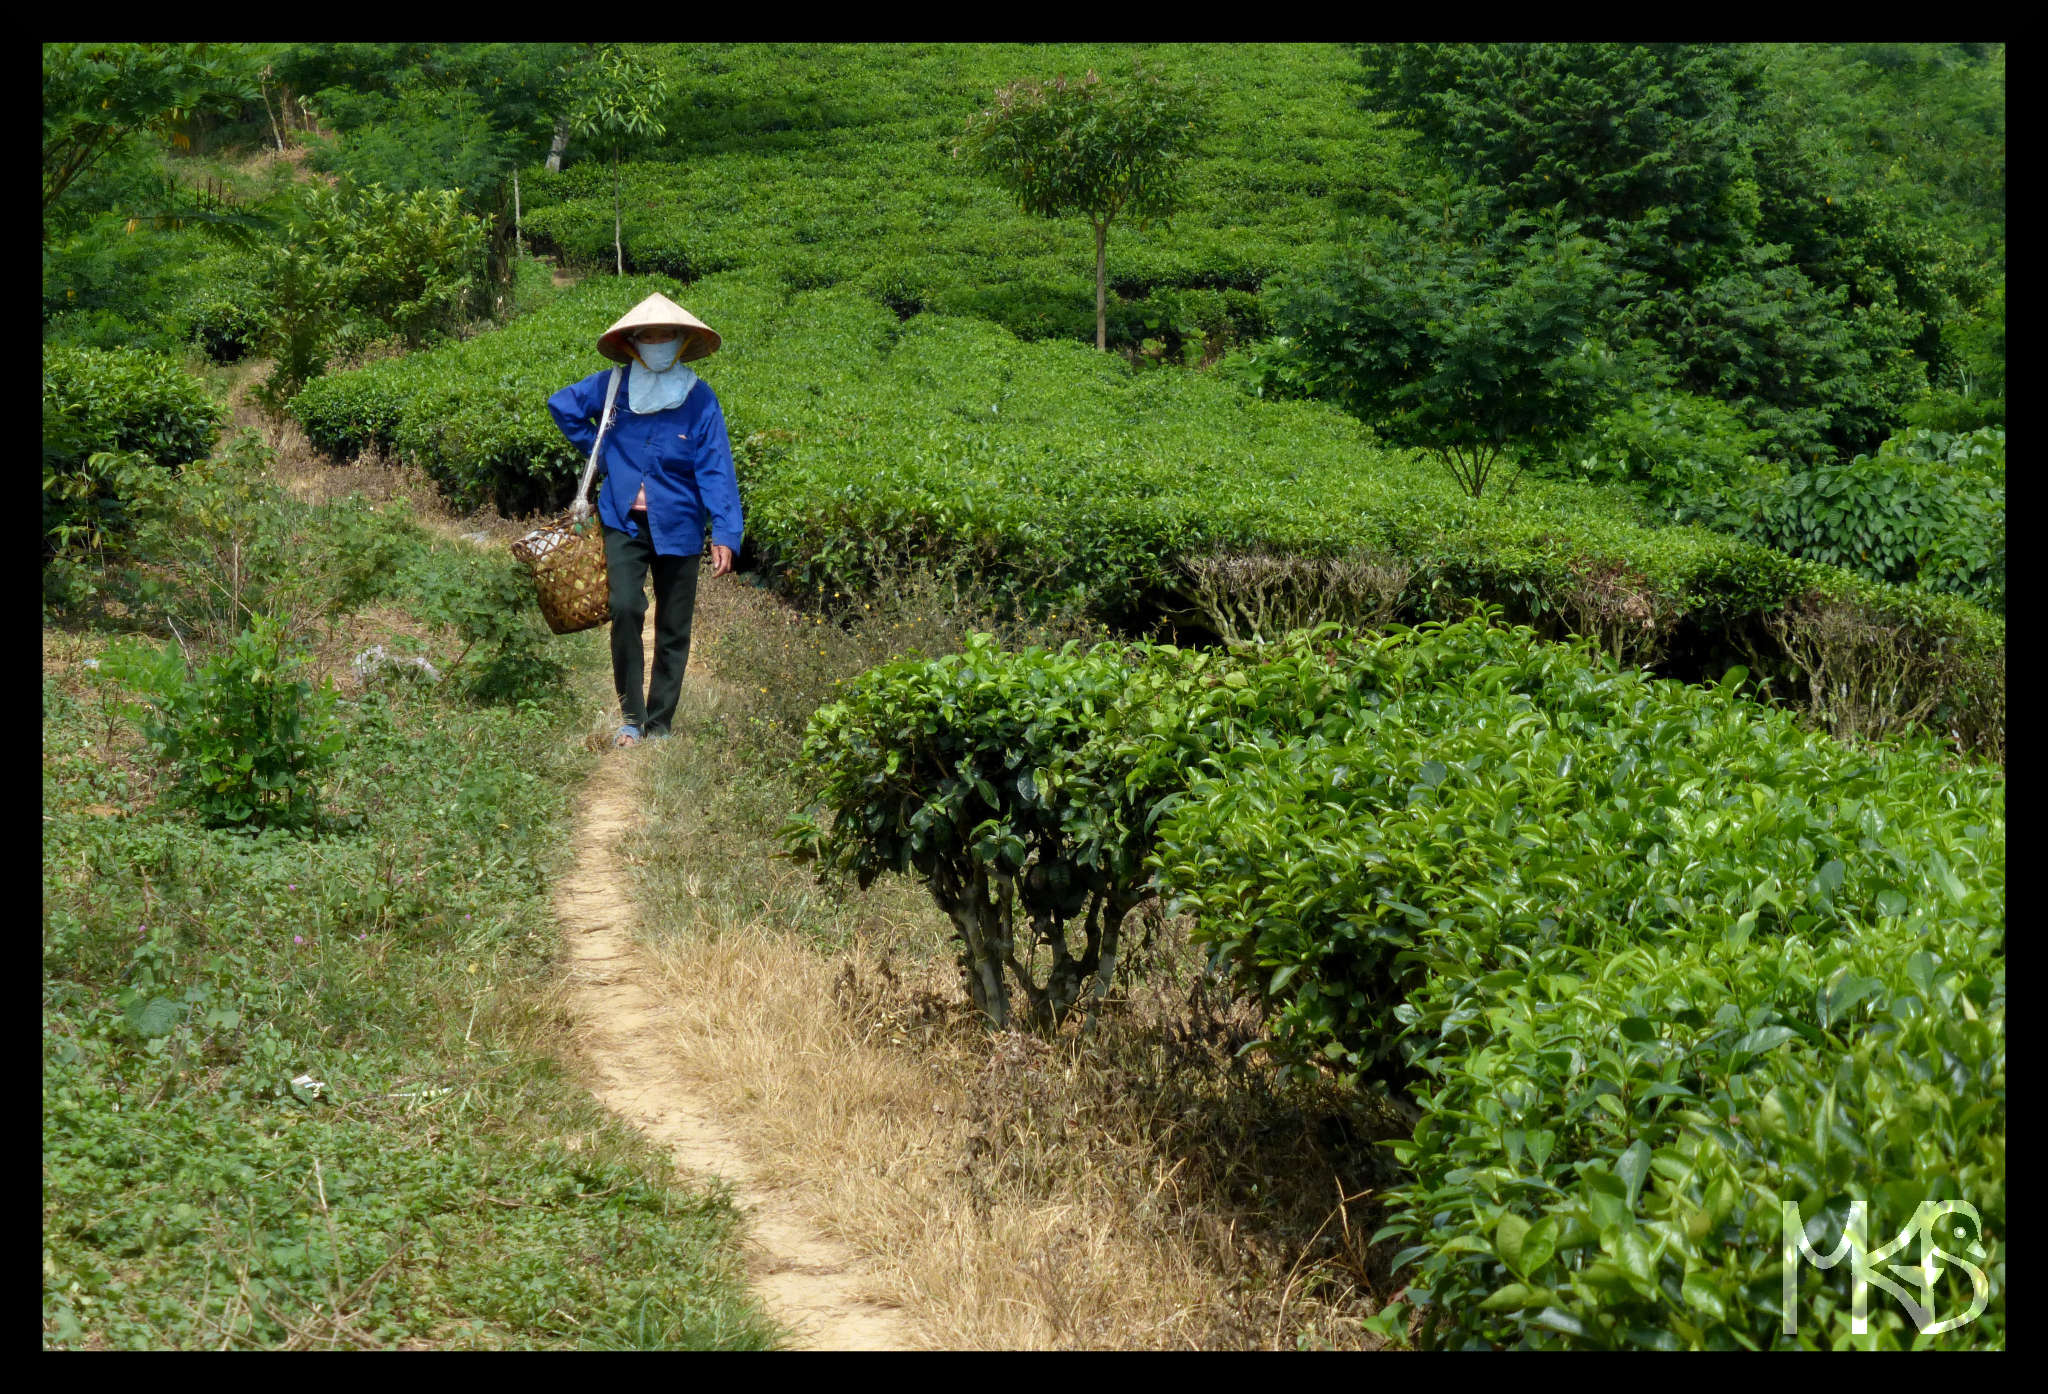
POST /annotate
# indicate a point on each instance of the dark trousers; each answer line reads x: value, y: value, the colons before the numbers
x: 675, y: 601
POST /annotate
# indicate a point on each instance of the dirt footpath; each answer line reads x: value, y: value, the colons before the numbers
x: 808, y: 1282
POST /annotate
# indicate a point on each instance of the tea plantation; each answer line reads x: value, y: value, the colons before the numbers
x: 824, y: 165
x: 1082, y: 481
x: 1655, y: 962
x: 1541, y: 506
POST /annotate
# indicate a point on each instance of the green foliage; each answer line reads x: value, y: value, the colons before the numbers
x: 622, y: 103
x: 1471, y: 348
x: 830, y: 164
x: 105, y: 286
x: 220, y: 542
x: 1675, y: 445
x: 302, y: 309
x: 102, y: 403
x: 1102, y: 150
x: 376, y: 93
x: 488, y: 600
x: 227, y: 320
x: 1632, y: 137
x: 298, y: 1091
x: 533, y: 285
x: 423, y: 140
x: 1655, y: 957
x: 96, y: 95
x: 1920, y: 125
x: 410, y: 263
x: 1802, y: 362
x: 942, y: 768
x: 1818, y: 314
x: 247, y: 737
x: 1928, y: 511
x: 1069, y: 481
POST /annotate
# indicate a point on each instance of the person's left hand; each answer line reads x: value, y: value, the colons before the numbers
x: 721, y: 560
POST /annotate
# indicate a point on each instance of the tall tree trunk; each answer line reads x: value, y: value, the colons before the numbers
x: 618, y: 242
x: 561, y: 142
x: 1101, y: 337
x: 518, y: 239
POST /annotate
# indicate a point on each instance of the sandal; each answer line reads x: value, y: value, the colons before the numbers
x: 627, y: 736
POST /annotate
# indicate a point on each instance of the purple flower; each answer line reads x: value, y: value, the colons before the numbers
x: 298, y: 939
x: 291, y: 885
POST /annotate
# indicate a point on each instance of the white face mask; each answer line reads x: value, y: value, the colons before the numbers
x: 660, y: 357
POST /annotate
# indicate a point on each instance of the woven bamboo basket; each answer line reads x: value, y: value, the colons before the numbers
x: 567, y: 561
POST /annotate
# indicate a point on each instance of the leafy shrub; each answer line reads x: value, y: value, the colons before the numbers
x: 1928, y: 510
x: 487, y: 598
x: 1470, y: 346
x: 222, y: 541
x: 533, y: 285
x: 1635, y: 941
x: 125, y: 400
x: 1627, y: 932
x: 247, y: 740
x: 1816, y: 316
x: 941, y: 767
x: 113, y: 401
x: 412, y: 262
x: 1677, y: 446
x: 1067, y: 481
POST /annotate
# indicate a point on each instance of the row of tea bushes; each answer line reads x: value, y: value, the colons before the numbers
x: 824, y: 165
x: 1652, y: 959
x: 1661, y: 961
x: 1068, y: 476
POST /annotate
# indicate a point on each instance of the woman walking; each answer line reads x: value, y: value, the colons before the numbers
x: 667, y: 476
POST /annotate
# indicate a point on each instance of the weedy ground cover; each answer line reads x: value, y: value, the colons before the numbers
x: 300, y: 1086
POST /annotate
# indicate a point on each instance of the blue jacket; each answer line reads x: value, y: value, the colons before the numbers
x: 682, y: 454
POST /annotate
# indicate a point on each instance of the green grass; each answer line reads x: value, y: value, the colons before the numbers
x: 448, y: 1185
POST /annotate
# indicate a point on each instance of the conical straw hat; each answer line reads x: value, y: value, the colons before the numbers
x: 700, y: 340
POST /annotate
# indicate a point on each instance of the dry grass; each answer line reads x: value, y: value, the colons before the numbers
x: 1148, y: 1188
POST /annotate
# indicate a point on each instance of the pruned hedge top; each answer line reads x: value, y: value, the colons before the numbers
x: 1071, y: 477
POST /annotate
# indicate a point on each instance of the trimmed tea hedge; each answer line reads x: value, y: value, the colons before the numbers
x: 1077, y: 480
x: 1657, y: 959
x: 819, y: 165
x: 129, y: 407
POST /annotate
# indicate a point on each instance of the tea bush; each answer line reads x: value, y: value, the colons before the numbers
x: 99, y: 402
x: 124, y: 400
x: 1675, y: 445
x: 1653, y: 958
x: 1072, y: 481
